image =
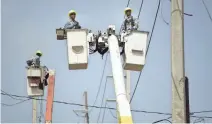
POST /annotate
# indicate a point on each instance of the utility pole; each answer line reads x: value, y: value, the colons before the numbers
x: 177, y: 63
x: 50, y: 97
x: 34, y: 110
x: 85, y: 111
x: 86, y: 107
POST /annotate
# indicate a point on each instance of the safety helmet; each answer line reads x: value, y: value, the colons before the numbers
x: 127, y: 9
x: 71, y: 12
x: 38, y: 53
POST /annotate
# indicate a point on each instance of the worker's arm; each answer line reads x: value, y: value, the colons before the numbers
x: 136, y: 25
x: 123, y: 27
x: 77, y: 25
x: 69, y: 25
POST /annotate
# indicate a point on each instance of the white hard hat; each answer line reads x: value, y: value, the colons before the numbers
x: 71, y: 12
x: 127, y: 9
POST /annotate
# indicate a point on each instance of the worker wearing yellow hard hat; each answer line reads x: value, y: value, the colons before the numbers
x: 128, y: 11
x: 72, y: 12
x: 129, y: 22
x: 39, y: 53
x: 72, y: 23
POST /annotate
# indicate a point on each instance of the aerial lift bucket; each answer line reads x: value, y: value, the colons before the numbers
x: 77, y: 48
x: 135, y: 50
x: 34, y: 77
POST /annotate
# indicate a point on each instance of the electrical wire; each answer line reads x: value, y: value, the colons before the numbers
x: 10, y: 95
x: 163, y: 16
x: 103, y: 117
x: 146, y: 50
x: 201, y: 112
x: 110, y: 108
x: 76, y: 104
x: 161, y: 13
x: 201, y: 117
x: 4, y: 104
x: 140, y: 8
x: 111, y: 112
x: 101, y: 80
x: 103, y: 98
x: 198, y: 117
x: 209, y: 15
x: 167, y: 119
x: 128, y: 3
x: 198, y: 120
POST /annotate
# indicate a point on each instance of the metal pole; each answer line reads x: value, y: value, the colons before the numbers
x: 177, y: 63
x: 34, y: 111
x: 118, y: 77
x: 86, y: 107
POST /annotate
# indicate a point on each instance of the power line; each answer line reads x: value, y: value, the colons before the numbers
x: 10, y: 95
x: 146, y: 50
x: 201, y: 117
x: 191, y: 115
x: 167, y: 119
x: 110, y: 108
x: 201, y: 112
x: 128, y: 3
x: 101, y: 80
x: 103, y: 117
x: 76, y: 104
x: 209, y: 15
x: 103, y: 96
x: 161, y: 13
x: 4, y: 104
x: 140, y: 8
x: 167, y: 23
x: 111, y: 113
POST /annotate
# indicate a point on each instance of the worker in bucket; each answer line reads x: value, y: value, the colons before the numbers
x: 35, y: 60
x: 35, y: 63
x: 72, y: 24
x: 129, y: 23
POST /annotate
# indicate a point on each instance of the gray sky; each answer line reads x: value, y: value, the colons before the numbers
x: 28, y: 25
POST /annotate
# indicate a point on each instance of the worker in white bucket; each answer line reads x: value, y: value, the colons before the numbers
x: 34, y: 62
x: 72, y: 23
x: 130, y: 23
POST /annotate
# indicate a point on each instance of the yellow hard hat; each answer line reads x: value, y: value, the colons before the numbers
x: 127, y: 9
x: 38, y: 53
x: 71, y: 12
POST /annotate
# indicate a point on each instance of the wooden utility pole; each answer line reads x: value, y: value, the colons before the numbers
x: 179, y: 113
x: 86, y: 107
x: 34, y: 110
x: 50, y: 97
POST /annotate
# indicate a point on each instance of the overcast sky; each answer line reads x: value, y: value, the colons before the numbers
x: 29, y: 25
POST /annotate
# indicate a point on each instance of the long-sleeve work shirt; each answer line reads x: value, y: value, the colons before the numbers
x: 129, y: 24
x: 72, y: 25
